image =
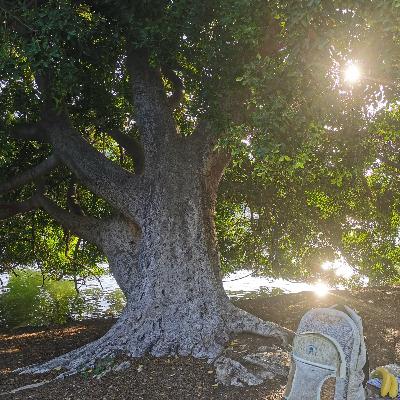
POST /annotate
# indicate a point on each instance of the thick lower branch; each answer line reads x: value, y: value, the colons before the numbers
x: 8, y: 210
x: 94, y: 170
x: 82, y: 226
x: 30, y: 175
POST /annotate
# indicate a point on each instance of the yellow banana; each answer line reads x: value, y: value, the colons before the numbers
x: 394, y: 387
x: 386, y: 380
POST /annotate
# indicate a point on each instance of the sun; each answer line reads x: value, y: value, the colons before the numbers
x: 321, y: 289
x: 352, y: 73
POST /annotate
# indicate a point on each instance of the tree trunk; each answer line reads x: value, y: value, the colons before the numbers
x: 181, y: 305
x: 177, y: 304
x: 160, y: 241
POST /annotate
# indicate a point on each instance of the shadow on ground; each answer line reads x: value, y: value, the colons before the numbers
x: 185, y: 378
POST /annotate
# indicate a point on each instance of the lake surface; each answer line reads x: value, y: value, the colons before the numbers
x: 244, y: 283
x: 239, y: 284
x: 102, y: 297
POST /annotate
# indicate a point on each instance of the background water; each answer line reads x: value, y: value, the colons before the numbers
x: 25, y: 301
x: 244, y: 284
x: 239, y: 284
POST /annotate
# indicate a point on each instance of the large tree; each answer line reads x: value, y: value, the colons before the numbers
x: 120, y: 119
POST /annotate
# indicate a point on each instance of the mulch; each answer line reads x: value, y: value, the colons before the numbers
x: 149, y: 378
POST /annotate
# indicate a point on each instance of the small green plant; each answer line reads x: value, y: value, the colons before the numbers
x: 101, y: 366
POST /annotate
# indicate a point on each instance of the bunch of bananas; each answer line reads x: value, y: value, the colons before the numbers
x: 390, y: 386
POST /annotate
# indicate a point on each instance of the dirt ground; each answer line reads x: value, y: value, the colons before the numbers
x: 186, y: 378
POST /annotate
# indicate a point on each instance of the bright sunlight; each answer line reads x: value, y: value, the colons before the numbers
x: 352, y: 73
x: 321, y: 289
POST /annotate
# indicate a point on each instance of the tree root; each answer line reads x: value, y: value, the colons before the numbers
x: 137, y: 339
x: 78, y: 359
x: 268, y: 362
x: 243, y: 322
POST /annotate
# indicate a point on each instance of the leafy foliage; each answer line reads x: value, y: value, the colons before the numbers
x: 30, y: 300
x: 308, y: 181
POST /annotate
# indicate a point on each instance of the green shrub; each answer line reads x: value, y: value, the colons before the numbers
x: 29, y: 301
x: 18, y: 303
x: 55, y: 303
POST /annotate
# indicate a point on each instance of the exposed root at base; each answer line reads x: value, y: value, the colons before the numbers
x: 76, y: 360
x: 136, y: 341
x: 244, y: 322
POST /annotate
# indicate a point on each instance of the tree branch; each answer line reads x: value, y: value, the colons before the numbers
x: 8, y: 210
x: 29, y: 132
x: 131, y: 146
x: 92, y: 168
x: 153, y: 114
x: 30, y: 175
x: 177, y: 94
x: 82, y: 226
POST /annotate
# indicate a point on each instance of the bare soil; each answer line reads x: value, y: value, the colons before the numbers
x: 148, y: 378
